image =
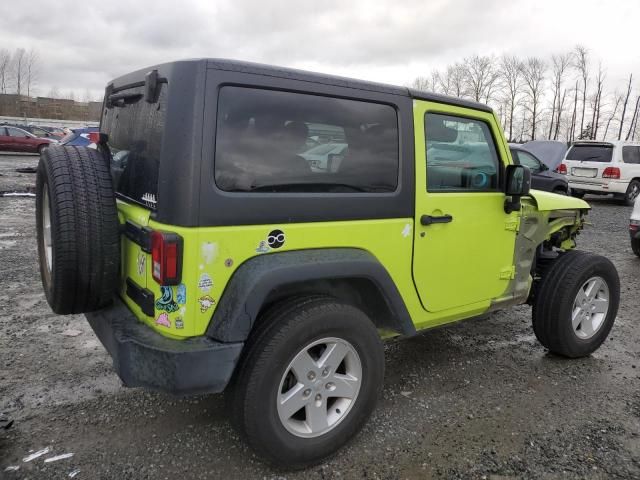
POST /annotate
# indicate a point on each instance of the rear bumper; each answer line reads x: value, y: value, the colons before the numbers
x: 604, y: 187
x: 144, y: 358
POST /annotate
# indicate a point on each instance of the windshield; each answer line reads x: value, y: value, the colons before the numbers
x: 591, y: 153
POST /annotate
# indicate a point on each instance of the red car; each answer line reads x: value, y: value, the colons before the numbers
x: 14, y: 139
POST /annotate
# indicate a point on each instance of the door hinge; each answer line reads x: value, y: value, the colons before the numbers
x: 508, y: 273
x: 512, y: 225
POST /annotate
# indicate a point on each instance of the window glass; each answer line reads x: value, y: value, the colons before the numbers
x: 631, y: 154
x: 136, y: 130
x: 14, y: 132
x: 273, y: 141
x: 461, y: 154
x: 527, y: 160
x: 590, y: 153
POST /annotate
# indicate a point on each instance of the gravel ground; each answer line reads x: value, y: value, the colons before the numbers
x: 479, y: 399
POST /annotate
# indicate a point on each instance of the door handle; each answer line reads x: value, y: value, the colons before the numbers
x: 428, y: 219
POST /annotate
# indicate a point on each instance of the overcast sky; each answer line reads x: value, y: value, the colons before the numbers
x: 83, y: 45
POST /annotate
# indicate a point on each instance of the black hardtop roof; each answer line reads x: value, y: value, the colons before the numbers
x: 300, y: 75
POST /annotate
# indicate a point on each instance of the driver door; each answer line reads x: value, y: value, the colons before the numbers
x: 464, y: 241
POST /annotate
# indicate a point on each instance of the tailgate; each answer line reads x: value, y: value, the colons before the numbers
x: 135, y: 262
x: 586, y: 162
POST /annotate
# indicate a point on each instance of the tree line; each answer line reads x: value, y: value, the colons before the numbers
x: 564, y: 97
x: 20, y: 72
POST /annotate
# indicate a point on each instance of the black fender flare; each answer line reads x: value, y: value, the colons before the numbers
x: 254, y: 280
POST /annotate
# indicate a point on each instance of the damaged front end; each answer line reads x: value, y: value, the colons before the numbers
x: 548, y: 225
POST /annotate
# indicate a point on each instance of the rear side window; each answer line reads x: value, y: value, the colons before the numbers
x: 590, y: 153
x: 461, y: 155
x: 274, y: 141
x: 631, y: 154
x: 14, y: 132
x: 135, y: 128
x: 523, y: 158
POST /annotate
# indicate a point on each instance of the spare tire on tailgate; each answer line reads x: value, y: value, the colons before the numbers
x: 77, y: 227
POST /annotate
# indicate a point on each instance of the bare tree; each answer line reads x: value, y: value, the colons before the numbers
x: 5, y: 64
x: 572, y: 130
x: 18, y: 66
x: 480, y: 76
x: 559, y: 118
x: 511, y: 76
x: 597, y: 101
x: 633, y: 118
x: 581, y: 55
x: 618, y: 100
x: 420, y: 83
x: 624, y: 106
x: 533, y: 73
x: 452, y: 81
x: 71, y: 95
x: 559, y: 67
x: 425, y: 84
x: 32, y: 69
x: 54, y: 92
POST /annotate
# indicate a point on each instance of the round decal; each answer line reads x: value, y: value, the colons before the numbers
x: 276, y: 239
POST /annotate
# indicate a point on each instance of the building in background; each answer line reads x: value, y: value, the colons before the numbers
x: 12, y: 105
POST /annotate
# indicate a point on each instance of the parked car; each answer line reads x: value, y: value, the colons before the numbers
x: 228, y: 263
x: 55, y: 131
x: 542, y: 175
x: 603, y: 168
x: 79, y: 137
x: 34, y: 130
x: 13, y: 139
x: 550, y: 152
x: 634, y: 227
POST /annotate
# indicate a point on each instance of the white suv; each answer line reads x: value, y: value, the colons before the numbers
x: 603, y: 168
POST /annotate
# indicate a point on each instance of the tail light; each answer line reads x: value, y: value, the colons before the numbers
x: 97, y: 137
x: 634, y: 226
x: 562, y: 168
x: 611, y: 172
x: 166, y: 258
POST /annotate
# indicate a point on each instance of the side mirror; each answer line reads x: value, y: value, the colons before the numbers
x: 517, y: 184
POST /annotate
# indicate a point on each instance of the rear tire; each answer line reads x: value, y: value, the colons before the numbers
x: 77, y: 229
x: 577, y: 193
x: 576, y: 304
x: 276, y: 369
x: 560, y: 191
x: 635, y: 246
x: 633, y: 190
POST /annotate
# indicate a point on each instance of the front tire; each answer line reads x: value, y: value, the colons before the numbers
x: 635, y: 246
x: 309, y: 381
x: 576, y: 304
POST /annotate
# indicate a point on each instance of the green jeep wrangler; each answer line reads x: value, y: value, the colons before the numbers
x: 258, y: 230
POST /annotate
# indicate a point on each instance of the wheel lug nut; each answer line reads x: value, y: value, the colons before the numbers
x: 318, y: 397
x: 329, y: 386
x: 325, y: 372
x: 311, y: 376
x: 307, y: 392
